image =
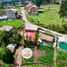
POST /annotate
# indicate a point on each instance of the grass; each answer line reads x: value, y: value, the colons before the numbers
x: 13, y: 22
x: 61, y: 59
x: 37, y: 65
x: 48, y: 17
x: 48, y: 58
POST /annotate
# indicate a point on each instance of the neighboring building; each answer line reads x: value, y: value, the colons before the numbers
x: 31, y: 8
x: 10, y: 14
x: 8, y: 6
x: 7, y: 14
x: 9, y: 0
x: 6, y: 28
x: 62, y: 39
x: 3, y: 15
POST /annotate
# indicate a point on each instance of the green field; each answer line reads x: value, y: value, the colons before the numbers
x: 14, y: 22
x: 49, y: 16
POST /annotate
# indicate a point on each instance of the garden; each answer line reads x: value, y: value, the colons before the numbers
x: 45, y: 55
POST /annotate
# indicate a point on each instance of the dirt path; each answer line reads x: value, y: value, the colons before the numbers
x: 18, y: 57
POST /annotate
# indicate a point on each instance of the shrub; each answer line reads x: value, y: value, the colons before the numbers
x: 5, y: 65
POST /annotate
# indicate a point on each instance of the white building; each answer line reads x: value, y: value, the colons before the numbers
x: 63, y: 39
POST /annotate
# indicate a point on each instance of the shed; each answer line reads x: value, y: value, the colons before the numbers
x: 11, y: 47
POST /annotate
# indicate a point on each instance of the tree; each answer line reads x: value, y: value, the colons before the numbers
x: 5, y: 65
x: 36, y: 44
x: 2, y: 35
x: 14, y: 38
x: 6, y: 55
x: 38, y: 2
x: 7, y: 38
x: 63, y: 10
x: 49, y: 2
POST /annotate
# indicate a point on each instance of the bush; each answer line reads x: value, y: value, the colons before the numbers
x: 5, y: 65
x: 57, y: 28
x: 6, y: 55
x: 30, y: 60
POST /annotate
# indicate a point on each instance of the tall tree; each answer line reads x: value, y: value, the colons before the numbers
x: 63, y: 10
x: 6, y: 55
x: 38, y: 2
x: 36, y: 45
x: 2, y: 35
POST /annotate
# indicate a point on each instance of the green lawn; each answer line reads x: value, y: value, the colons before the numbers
x: 61, y: 59
x: 48, y: 57
x: 14, y: 22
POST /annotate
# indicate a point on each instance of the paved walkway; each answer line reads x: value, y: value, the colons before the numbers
x: 18, y: 57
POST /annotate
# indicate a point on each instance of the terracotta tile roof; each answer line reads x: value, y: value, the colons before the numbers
x: 46, y: 37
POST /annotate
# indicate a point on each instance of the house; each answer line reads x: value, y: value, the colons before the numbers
x: 31, y: 8
x: 10, y: 14
x: 30, y: 30
x: 3, y: 15
x: 6, y: 28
